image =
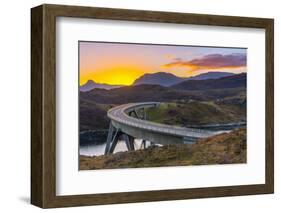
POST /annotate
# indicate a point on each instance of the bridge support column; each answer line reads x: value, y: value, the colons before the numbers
x: 134, y: 112
x: 129, y: 140
x: 143, y: 144
x: 140, y: 115
x: 112, y: 139
x: 109, y: 138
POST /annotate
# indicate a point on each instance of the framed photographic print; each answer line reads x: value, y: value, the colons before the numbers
x: 137, y: 106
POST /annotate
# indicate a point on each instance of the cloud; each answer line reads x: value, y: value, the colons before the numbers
x: 211, y: 61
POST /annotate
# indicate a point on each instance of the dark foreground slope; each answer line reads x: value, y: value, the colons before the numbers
x: 228, y: 148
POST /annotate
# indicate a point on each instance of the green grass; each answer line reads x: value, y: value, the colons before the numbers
x: 195, y: 113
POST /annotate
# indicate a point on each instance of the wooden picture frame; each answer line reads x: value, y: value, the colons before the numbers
x: 43, y: 105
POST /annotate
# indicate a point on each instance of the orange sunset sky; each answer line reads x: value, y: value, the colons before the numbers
x: 123, y: 63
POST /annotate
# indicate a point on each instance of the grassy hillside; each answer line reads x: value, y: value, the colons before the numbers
x: 221, y: 149
x: 197, y: 113
x: 94, y: 104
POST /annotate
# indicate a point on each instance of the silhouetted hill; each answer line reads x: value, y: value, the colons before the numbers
x: 93, y: 85
x: 168, y: 79
x: 160, y: 78
x: 233, y: 81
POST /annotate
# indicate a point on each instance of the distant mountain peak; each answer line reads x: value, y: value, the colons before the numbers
x: 90, y: 81
x: 159, y: 78
x: 91, y: 84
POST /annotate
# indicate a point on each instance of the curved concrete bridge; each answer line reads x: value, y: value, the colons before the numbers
x: 128, y: 123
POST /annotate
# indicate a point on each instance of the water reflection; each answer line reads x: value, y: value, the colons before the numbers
x: 90, y: 150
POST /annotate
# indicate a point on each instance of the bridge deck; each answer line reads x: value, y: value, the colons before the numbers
x: 120, y: 114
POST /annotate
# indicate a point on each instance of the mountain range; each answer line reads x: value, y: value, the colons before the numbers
x: 168, y: 79
x: 191, y: 89
x: 160, y: 78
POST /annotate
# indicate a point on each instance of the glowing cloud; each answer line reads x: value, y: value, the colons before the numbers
x: 211, y: 61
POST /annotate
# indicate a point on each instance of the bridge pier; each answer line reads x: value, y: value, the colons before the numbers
x: 143, y: 144
x: 144, y: 114
x: 113, y: 136
x: 134, y: 112
x: 129, y: 140
x: 141, y: 115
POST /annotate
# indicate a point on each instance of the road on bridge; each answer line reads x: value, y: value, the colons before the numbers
x: 120, y: 114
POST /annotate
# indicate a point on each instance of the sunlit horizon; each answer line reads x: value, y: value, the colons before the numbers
x: 123, y: 63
